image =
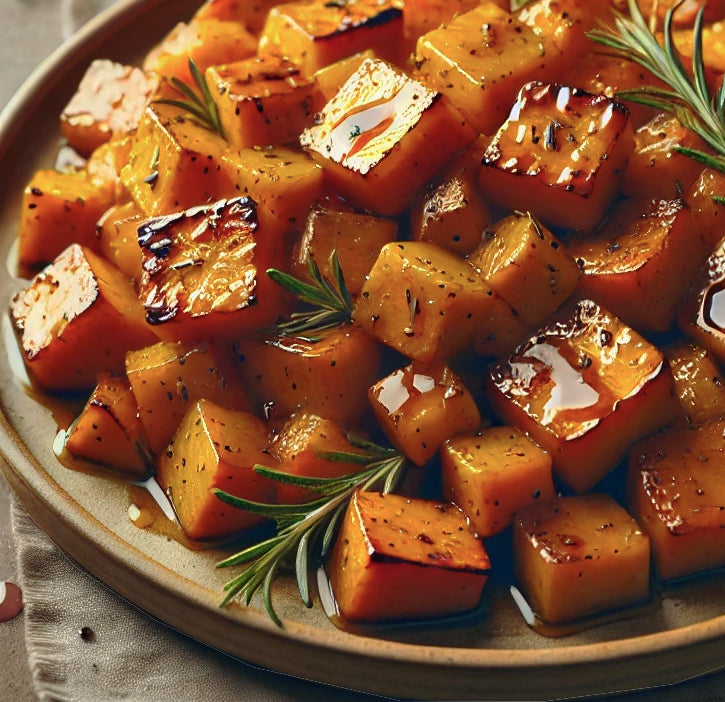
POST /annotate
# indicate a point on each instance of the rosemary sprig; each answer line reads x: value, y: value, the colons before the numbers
x: 201, y: 106
x: 330, y: 301
x: 687, y: 97
x: 306, y: 530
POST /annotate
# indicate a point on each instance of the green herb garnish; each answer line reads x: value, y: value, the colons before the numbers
x: 306, y: 530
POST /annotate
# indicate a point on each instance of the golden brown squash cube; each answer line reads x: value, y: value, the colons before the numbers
x: 699, y: 382
x: 109, y: 101
x: 709, y: 215
x: 501, y: 330
x: 59, y: 209
x: 493, y: 474
x: 422, y: 16
x: 331, y: 78
x: 299, y: 447
x: 423, y: 301
x: 584, y: 389
x: 642, y: 261
x: 318, y: 33
x: 565, y: 149
x: 175, y: 163
x: 168, y: 378
x: 480, y: 60
x: 675, y: 486
x: 251, y: 13
x: 527, y: 266
x: 77, y: 318
x: 208, y: 42
x: 215, y: 448
x: 108, y: 429
x: 381, y: 124
x: 578, y: 556
x: 329, y: 377
x: 357, y: 239
x: 204, y: 271
x: 262, y: 101
x: 420, y: 406
x: 401, y: 558
x: 117, y: 232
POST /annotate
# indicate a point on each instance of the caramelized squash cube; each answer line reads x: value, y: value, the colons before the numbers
x: 423, y: 301
x: 108, y: 429
x: 117, y: 233
x: 77, y: 318
x: 584, y: 389
x: 421, y: 406
x: 579, y: 556
x: 380, y: 125
x: 204, y: 271
x: 328, y: 377
x: 422, y: 16
x: 400, y: 558
x: 642, y: 261
x: 251, y: 13
x: 262, y: 101
x: 493, y: 474
x: 675, y: 489
x: 527, y: 266
x: 318, y: 33
x: 709, y: 215
x: 501, y: 330
x: 699, y: 382
x: 566, y: 149
x: 215, y: 448
x: 109, y: 101
x: 167, y: 378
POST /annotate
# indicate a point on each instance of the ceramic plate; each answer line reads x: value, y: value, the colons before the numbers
x: 494, y: 657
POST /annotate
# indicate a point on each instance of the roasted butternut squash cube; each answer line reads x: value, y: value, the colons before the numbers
x: 215, y: 448
x: 527, y: 266
x: 584, y: 389
x: 381, y: 124
x: 317, y: 33
x: 330, y: 79
x: 117, y: 232
x: 262, y: 101
x: 108, y: 429
x: 579, y: 556
x: 390, y: 547
x: 493, y: 474
x: 422, y: 16
x: 709, y: 215
x: 565, y: 148
x: 168, y: 378
x: 299, y: 447
x: 642, y: 262
x: 208, y: 42
x: 59, y: 209
x: 480, y: 60
x: 357, y: 239
x: 251, y: 13
x: 423, y: 301
x: 328, y: 377
x: 655, y: 168
x: 175, y: 163
x: 110, y: 100
x: 204, y: 271
x: 421, y: 406
x: 501, y: 330
x: 675, y: 485
x: 699, y: 382
x: 77, y: 318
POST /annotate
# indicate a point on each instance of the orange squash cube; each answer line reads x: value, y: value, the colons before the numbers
x: 501, y: 329
x: 314, y: 34
x: 584, y: 389
x: 379, y: 125
x: 168, y: 378
x: 579, y: 556
x: 331, y: 78
x: 675, y: 486
x: 421, y: 406
x: 108, y: 429
x: 77, y: 318
x: 251, y: 13
x: 401, y: 558
x: 117, y: 232
x: 642, y: 245
x: 328, y: 377
x: 527, y: 266
x: 566, y: 149
x: 422, y: 16
x: 215, y: 448
x: 109, y: 101
x: 709, y: 215
x: 493, y: 474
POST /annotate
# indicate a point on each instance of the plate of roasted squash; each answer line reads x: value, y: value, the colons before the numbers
x: 379, y: 341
